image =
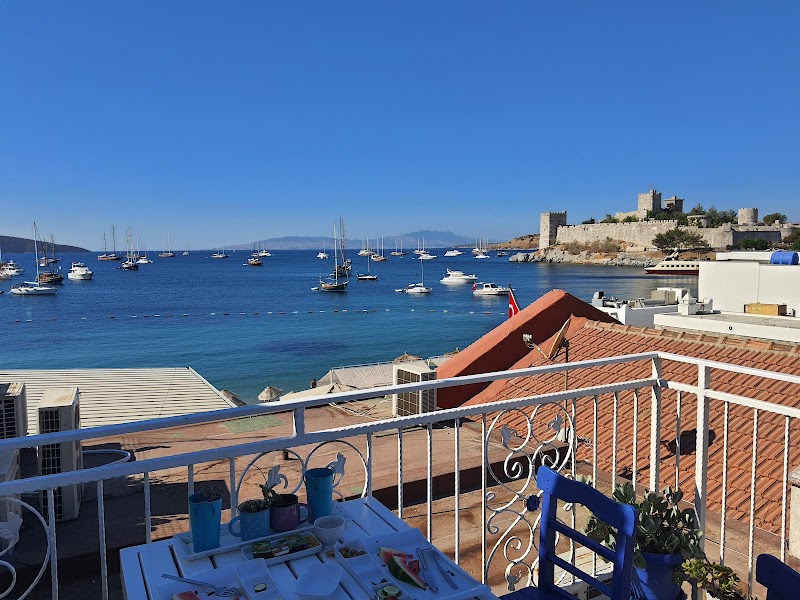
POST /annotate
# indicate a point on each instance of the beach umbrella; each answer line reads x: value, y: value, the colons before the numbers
x: 270, y: 394
x: 406, y: 357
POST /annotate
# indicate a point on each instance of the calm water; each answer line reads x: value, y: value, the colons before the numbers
x: 188, y: 311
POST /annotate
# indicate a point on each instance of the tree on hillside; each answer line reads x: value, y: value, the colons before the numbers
x: 589, y: 221
x: 718, y: 217
x: 772, y: 217
x: 609, y: 219
x: 678, y: 238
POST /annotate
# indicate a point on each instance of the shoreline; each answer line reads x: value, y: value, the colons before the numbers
x: 558, y: 256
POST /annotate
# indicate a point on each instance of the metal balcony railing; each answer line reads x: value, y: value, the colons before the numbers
x: 504, y: 441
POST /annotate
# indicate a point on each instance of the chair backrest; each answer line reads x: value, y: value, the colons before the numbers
x: 621, y: 517
x: 782, y: 582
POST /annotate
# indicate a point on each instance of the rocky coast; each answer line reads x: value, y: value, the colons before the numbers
x: 556, y: 255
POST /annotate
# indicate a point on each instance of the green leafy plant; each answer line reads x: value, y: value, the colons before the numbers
x: 210, y: 493
x: 662, y: 527
x: 719, y: 581
x: 254, y: 506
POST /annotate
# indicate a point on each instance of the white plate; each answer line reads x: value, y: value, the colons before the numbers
x: 318, y: 582
x: 408, y: 541
x: 245, y: 575
x: 247, y: 551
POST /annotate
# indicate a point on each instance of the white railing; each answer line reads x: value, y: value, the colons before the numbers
x: 559, y: 428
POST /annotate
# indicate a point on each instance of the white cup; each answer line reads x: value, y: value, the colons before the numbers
x: 329, y: 530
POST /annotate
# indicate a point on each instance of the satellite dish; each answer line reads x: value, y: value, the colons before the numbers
x: 559, y: 341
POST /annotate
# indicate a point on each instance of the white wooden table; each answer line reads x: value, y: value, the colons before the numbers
x: 142, y: 566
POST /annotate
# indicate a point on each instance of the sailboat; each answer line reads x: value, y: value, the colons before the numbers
x: 340, y: 269
x: 219, y: 254
x: 49, y: 276
x: 143, y: 258
x: 398, y: 252
x: 34, y: 288
x: 113, y: 255
x: 169, y: 253
x: 417, y: 288
x: 130, y: 263
x: 186, y: 252
x: 379, y: 257
x: 367, y: 276
x: 322, y: 255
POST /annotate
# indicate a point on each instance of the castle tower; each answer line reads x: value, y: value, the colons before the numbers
x: 674, y: 204
x: 649, y: 201
x: 748, y: 216
x: 548, y: 227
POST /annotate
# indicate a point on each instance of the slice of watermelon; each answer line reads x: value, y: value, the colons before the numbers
x: 386, y: 554
x: 185, y: 596
x: 399, y: 568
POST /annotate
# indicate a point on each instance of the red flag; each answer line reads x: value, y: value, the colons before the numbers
x: 513, y: 307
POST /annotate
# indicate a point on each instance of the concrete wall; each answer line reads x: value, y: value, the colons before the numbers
x: 549, y: 222
x: 732, y: 284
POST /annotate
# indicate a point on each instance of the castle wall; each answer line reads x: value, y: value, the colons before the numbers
x: 549, y: 223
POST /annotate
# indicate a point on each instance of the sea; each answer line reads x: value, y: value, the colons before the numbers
x: 244, y: 328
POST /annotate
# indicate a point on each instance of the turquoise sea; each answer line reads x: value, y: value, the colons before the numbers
x: 244, y: 328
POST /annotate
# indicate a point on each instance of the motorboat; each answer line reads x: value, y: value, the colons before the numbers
x: 453, y: 252
x: 254, y: 261
x: 367, y: 277
x: 264, y: 253
x: 13, y: 269
x: 489, y: 289
x: 481, y: 255
x: 672, y: 264
x: 454, y: 277
x: 501, y: 253
x: 80, y: 272
x: 322, y: 255
x: 427, y: 256
x: 144, y: 260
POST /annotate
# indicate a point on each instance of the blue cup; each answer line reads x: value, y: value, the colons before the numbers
x: 252, y: 525
x: 319, y: 491
x: 204, y: 522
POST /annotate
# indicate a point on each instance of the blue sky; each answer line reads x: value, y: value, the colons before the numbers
x: 225, y: 122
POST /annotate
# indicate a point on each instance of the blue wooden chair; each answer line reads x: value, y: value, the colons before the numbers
x: 782, y: 582
x: 621, y: 517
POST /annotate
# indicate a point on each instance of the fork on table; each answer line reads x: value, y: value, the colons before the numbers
x: 219, y: 590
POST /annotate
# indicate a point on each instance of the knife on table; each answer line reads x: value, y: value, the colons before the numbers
x: 444, y: 573
x: 426, y: 570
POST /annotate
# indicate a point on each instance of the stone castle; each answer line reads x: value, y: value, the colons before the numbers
x: 553, y: 228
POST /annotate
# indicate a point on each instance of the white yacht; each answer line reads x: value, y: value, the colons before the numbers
x: 80, y: 272
x: 454, y: 277
x: 453, y: 252
x: 481, y: 255
x: 416, y: 288
x: 673, y: 265
x: 426, y: 256
x: 219, y: 254
x: 489, y: 289
x: 13, y: 269
x: 322, y: 255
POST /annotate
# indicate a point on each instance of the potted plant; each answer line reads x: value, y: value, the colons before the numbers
x: 205, y: 512
x: 717, y: 580
x: 665, y: 537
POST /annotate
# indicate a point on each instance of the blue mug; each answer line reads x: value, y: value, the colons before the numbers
x: 252, y: 525
x: 319, y: 491
x: 204, y: 522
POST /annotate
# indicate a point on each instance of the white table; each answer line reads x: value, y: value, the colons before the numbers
x: 146, y: 563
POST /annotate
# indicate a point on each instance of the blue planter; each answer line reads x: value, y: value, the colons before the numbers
x: 657, y: 580
x: 204, y: 522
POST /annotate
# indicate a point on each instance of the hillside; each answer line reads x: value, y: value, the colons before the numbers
x: 523, y: 242
x: 433, y: 239
x: 16, y: 244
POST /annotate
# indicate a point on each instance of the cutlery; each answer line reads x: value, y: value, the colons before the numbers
x: 218, y: 590
x: 445, y: 574
x: 425, y: 569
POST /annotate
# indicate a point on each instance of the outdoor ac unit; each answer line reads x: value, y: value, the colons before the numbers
x: 412, y: 403
x: 9, y: 471
x: 59, y: 411
x: 13, y: 410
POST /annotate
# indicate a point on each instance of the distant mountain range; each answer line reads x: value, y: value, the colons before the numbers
x: 433, y: 239
x: 17, y: 244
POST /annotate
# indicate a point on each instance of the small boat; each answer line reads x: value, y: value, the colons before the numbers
x: 144, y: 260
x: 262, y: 252
x: 417, y: 288
x: 254, y: 261
x: 489, y: 289
x: 322, y: 255
x: 399, y: 252
x: 219, y: 254
x: 501, y: 253
x: 34, y: 288
x: 426, y: 256
x: 673, y: 265
x: 80, y: 272
x: 481, y: 255
x: 453, y: 252
x: 13, y: 269
x: 454, y: 277
x: 367, y: 276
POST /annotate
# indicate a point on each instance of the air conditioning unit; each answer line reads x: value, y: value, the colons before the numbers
x: 9, y: 471
x: 13, y: 410
x: 412, y: 403
x: 59, y: 410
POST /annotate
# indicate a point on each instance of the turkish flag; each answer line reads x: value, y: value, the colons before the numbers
x: 513, y: 307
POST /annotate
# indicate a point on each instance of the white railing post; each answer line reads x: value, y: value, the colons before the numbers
x: 701, y: 450
x: 655, y: 426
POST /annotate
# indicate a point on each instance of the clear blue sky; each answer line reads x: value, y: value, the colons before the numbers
x: 226, y: 122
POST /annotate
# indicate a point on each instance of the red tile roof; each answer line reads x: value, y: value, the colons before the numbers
x: 591, y: 339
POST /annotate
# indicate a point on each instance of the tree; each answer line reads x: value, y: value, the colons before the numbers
x: 680, y: 239
x: 718, y: 217
x: 752, y: 244
x: 796, y: 244
x: 772, y: 217
x: 697, y: 210
x: 589, y: 221
x: 630, y: 219
x: 609, y: 219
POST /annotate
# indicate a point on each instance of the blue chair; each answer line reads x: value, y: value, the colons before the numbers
x: 782, y: 582
x: 621, y: 517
